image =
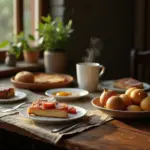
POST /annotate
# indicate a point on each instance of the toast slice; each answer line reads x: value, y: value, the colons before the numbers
x: 126, y: 83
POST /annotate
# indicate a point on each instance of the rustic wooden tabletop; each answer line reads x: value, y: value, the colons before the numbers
x: 114, y: 135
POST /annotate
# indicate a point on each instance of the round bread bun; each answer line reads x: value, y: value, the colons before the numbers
x: 24, y: 76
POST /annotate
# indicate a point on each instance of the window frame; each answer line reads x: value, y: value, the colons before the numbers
x: 38, y: 8
x: 17, y: 23
x: 18, y: 16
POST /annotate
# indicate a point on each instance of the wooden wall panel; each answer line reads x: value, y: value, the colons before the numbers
x: 140, y: 26
x: 18, y: 16
x: 112, y: 21
x: 148, y: 26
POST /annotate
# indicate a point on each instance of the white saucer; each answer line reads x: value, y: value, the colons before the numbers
x: 81, y: 112
x: 18, y: 96
x: 109, y: 85
x: 76, y: 93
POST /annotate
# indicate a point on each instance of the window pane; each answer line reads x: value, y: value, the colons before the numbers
x: 6, y: 20
x: 27, y: 17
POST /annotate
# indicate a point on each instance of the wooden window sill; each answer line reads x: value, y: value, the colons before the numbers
x: 6, y: 71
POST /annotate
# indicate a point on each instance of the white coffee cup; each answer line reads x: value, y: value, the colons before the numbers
x: 88, y: 75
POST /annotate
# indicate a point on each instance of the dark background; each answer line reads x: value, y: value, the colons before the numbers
x: 120, y: 24
x: 112, y: 21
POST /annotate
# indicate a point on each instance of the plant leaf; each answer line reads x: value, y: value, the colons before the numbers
x: 40, y: 41
x: 70, y: 23
x: 54, y: 33
x: 46, y: 19
x: 31, y: 37
x: 4, y: 44
x: 19, y: 44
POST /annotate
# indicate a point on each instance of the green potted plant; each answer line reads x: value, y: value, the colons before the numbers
x: 30, y: 46
x: 55, y: 37
x: 13, y: 53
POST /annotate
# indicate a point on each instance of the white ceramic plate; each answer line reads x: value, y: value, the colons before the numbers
x: 18, y: 96
x: 122, y: 114
x: 109, y: 85
x: 76, y: 93
x: 81, y: 112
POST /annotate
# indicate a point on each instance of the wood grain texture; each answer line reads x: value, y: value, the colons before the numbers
x: 108, y: 137
x: 115, y: 135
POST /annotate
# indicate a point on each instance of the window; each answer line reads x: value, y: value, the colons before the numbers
x: 27, y: 17
x: 6, y: 19
x: 20, y: 15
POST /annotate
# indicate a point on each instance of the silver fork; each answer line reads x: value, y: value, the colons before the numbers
x: 13, y: 108
x: 63, y: 127
x: 94, y: 119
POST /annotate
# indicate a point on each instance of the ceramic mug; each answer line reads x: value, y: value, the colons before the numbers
x: 88, y: 75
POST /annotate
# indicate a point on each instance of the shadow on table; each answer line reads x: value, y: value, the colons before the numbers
x: 13, y: 141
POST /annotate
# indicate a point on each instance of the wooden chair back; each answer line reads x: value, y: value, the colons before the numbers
x: 140, y: 65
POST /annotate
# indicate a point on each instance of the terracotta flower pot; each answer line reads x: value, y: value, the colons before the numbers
x: 31, y: 56
x: 55, y: 62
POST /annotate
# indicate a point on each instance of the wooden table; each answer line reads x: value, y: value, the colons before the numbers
x: 115, y: 135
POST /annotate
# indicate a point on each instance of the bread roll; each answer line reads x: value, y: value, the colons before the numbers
x: 25, y: 76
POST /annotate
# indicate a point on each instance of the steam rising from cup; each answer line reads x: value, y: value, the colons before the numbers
x: 94, y: 50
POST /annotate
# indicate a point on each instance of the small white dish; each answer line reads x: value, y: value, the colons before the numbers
x: 109, y: 85
x: 81, y: 112
x: 17, y: 97
x: 76, y: 93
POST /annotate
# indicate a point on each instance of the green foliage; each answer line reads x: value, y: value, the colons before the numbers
x: 28, y: 41
x: 14, y: 48
x: 55, y: 34
x: 21, y: 42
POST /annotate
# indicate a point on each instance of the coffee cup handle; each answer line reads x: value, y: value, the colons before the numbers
x: 102, y: 70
